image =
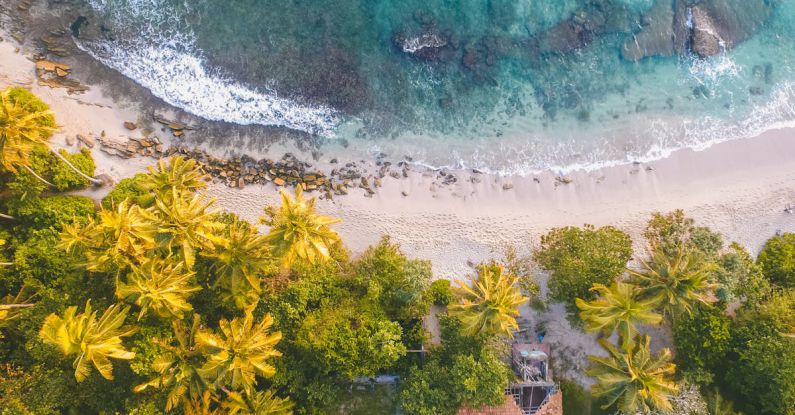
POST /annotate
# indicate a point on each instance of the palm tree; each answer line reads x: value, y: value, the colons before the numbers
x: 120, y: 237
x: 297, y: 231
x: 25, y: 123
x: 716, y: 405
x: 258, y: 403
x: 202, y: 405
x: 491, y: 304
x: 678, y: 281
x: 619, y: 308
x: 11, y: 306
x: 180, y: 174
x: 186, y: 223
x: 240, y: 262
x: 240, y: 352
x: 177, y: 368
x: 159, y: 285
x: 89, y: 339
x: 633, y: 379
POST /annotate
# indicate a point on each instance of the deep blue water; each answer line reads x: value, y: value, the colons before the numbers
x: 509, y: 86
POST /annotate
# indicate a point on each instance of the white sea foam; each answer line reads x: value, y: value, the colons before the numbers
x: 155, y: 49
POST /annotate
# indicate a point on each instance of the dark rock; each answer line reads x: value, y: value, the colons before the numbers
x: 656, y: 37
x: 722, y: 24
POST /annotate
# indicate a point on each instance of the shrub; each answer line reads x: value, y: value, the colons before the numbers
x: 131, y: 189
x: 440, y: 292
x: 64, y: 178
x: 777, y: 260
x: 672, y: 230
x: 739, y: 277
x: 393, y: 281
x: 701, y: 341
x: 761, y: 375
x: 578, y: 258
x: 53, y: 212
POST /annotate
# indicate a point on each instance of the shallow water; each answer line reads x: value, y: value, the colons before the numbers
x: 490, y: 84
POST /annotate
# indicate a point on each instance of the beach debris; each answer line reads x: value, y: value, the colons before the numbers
x: 563, y: 180
x: 177, y: 129
x: 404, y: 193
x: 507, y: 186
x: 130, y: 125
x: 70, y: 141
x: 55, y: 75
x: 87, y: 140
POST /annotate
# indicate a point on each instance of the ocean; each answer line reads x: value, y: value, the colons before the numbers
x: 503, y: 86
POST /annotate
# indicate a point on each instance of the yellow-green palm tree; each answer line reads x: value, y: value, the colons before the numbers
x: 258, y: 403
x: 160, y: 285
x: 240, y: 352
x: 297, y: 231
x: 619, y: 308
x: 186, y: 223
x: 25, y: 123
x: 240, y: 262
x: 89, y: 339
x: 119, y: 237
x: 678, y: 281
x: 177, y: 368
x: 203, y: 405
x: 11, y: 306
x: 178, y: 174
x: 490, y: 303
x: 633, y: 379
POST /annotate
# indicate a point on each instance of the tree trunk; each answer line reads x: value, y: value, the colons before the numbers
x: 85, y: 176
x: 4, y: 216
x: 37, y: 176
x: 12, y: 306
x: 5, y: 264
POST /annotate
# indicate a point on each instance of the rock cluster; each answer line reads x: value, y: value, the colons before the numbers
x: 144, y: 146
x: 707, y: 27
x: 55, y: 75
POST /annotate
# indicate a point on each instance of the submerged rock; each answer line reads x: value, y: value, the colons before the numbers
x: 657, y: 37
x: 720, y: 25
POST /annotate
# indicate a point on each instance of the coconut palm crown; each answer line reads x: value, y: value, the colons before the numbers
x: 258, y: 403
x: 633, y: 379
x: 240, y: 352
x: 177, y: 367
x: 297, y: 231
x: 89, y: 339
x: 489, y: 304
x: 678, y: 281
x: 180, y: 174
x: 159, y: 285
x: 618, y: 308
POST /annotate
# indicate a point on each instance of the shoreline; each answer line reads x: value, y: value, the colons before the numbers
x: 739, y: 188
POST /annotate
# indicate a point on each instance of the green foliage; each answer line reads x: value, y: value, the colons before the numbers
x: 674, y: 230
x: 132, y: 189
x: 24, y: 184
x: 440, y: 293
x: 777, y: 260
x: 350, y: 343
x: 52, y: 212
x: 702, y: 341
x: 739, y: 278
x: 461, y: 371
x: 393, y: 281
x: 578, y: 258
x: 25, y: 123
x: 64, y: 178
x: 578, y: 401
x: 761, y: 376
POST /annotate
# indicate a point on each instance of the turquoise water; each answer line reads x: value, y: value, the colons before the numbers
x: 497, y: 86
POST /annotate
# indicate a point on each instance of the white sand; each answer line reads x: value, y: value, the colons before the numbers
x: 738, y: 188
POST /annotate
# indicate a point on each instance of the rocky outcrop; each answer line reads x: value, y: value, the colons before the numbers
x: 706, y: 28
x: 722, y: 24
x: 656, y: 38
x: 429, y: 45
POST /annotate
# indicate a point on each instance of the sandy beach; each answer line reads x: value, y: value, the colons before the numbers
x: 739, y: 188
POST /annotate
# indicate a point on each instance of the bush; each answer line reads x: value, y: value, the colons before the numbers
x: 761, y: 375
x: 64, y: 178
x: 777, y: 260
x: 440, y: 293
x: 674, y: 230
x: 393, y: 281
x: 346, y: 342
x: 130, y: 189
x: 739, y: 277
x: 701, y: 341
x: 578, y: 258
x: 53, y: 212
